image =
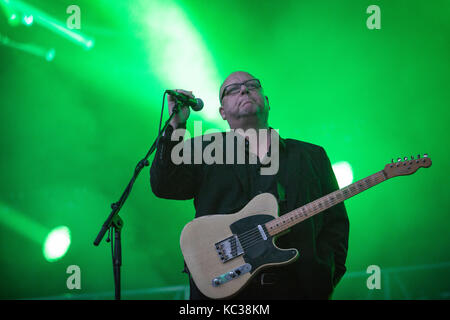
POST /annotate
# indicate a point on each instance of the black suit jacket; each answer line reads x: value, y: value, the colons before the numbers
x: 306, y: 175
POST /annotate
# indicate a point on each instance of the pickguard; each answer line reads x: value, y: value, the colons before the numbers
x: 262, y: 252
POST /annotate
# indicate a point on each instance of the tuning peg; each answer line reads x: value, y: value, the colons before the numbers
x: 392, y: 160
x: 425, y: 155
x: 418, y: 156
x: 399, y: 159
x: 406, y: 158
x: 412, y: 157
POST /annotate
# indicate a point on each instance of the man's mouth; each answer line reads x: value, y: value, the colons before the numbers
x: 246, y: 102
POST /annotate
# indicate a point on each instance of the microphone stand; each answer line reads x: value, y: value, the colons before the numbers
x: 114, y: 223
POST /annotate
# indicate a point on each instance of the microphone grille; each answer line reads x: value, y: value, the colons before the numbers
x: 199, y: 105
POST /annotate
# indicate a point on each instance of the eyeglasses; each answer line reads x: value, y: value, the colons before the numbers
x: 235, y: 88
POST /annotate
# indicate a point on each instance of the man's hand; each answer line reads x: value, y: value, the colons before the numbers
x: 183, y: 114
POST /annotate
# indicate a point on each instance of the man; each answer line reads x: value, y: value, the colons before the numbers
x: 304, y: 175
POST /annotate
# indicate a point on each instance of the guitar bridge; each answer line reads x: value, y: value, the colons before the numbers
x: 229, y: 248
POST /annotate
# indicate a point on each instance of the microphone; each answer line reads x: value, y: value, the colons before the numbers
x: 195, y: 104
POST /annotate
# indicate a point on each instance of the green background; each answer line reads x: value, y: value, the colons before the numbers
x: 73, y: 129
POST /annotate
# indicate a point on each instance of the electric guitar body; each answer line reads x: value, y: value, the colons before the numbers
x: 222, y: 260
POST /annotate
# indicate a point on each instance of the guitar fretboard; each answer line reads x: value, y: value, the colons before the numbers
x: 300, y: 214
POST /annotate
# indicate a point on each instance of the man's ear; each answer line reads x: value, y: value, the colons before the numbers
x: 222, y: 113
x: 268, y: 102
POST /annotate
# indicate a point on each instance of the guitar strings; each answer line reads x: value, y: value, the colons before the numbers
x: 253, y: 236
x: 315, y: 208
x: 244, y: 236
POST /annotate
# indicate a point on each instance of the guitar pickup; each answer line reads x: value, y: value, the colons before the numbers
x: 229, y: 248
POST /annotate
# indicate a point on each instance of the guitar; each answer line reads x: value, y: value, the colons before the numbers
x: 223, y: 252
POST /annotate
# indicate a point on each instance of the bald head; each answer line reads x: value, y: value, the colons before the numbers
x: 235, y: 77
x: 248, y: 108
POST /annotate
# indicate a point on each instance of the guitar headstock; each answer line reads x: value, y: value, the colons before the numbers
x: 406, y: 166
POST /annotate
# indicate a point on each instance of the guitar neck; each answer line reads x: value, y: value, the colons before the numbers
x: 300, y: 214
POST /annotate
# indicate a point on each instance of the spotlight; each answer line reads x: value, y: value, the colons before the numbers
x: 344, y: 173
x: 57, y: 243
x: 28, y: 20
x: 89, y: 44
x: 50, y: 55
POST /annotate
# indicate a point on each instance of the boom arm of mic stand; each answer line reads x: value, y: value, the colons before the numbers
x: 144, y: 162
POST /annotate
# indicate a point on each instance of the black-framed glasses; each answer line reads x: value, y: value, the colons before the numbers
x: 235, y: 88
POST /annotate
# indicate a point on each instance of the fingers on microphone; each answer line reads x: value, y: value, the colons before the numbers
x: 188, y: 93
x: 171, y: 98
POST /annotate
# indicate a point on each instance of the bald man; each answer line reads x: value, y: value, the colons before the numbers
x: 304, y: 175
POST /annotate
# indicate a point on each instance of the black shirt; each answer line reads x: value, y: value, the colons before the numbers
x: 259, y: 183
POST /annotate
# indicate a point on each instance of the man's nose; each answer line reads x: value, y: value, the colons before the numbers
x: 244, y: 89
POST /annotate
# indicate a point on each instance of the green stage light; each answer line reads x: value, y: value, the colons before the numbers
x: 57, y: 243
x: 89, y: 44
x: 50, y: 55
x: 12, y: 15
x: 28, y: 20
x: 344, y: 173
x: 34, y: 15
